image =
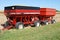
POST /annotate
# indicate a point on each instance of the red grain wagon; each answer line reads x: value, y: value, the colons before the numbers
x: 20, y: 16
x: 47, y: 15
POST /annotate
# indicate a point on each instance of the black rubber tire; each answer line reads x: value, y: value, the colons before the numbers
x: 6, y: 24
x: 53, y: 21
x: 17, y: 25
x: 37, y: 23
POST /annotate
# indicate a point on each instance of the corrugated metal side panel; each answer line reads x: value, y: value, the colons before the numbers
x: 42, y: 13
x: 50, y: 9
x: 47, y: 12
x: 27, y: 11
x: 42, y: 9
x: 51, y: 13
x: 9, y: 11
x: 47, y: 9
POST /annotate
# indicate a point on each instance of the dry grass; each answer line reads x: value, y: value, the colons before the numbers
x: 2, y: 18
x: 57, y: 17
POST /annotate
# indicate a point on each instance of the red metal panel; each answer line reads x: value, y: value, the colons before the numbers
x: 11, y: 12
x: 50, y: 13
x: 50, y: 9
x: 47, y: 12
x: 42, y: 13
x: 27, y: 10
x: 47, y: 9
x: 42, y: 9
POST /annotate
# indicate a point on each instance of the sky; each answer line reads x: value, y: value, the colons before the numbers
x: 38, y: 3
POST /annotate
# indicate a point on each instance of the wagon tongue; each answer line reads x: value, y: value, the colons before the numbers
x: 7, y: 28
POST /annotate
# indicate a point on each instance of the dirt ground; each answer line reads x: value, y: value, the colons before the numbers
x: 3, y: 18
x: 57, y: 17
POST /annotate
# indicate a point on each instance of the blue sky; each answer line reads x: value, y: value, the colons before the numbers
x: 38, y: 3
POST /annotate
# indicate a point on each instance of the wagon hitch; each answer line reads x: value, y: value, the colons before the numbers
x: 6, y: 28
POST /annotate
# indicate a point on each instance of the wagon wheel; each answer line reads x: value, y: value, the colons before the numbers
x: 53, y: 21
x: 46, y: 23
x: 37, y: 23
x: 19, y: 25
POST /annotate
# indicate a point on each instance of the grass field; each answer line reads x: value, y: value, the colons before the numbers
x: 48, y: 32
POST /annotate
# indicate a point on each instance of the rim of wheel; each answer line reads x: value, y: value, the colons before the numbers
x: 47, y: 23
x: 38, y: 24
x: 54, y: 22
x: 20, y: 26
